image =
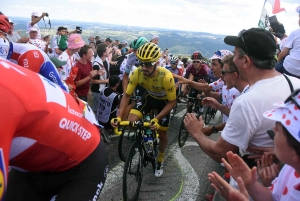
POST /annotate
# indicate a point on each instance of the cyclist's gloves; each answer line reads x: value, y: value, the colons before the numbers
x: 154, y: 122
x: 115, y: 120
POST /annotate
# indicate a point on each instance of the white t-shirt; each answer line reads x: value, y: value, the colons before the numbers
x: 292, y: 61
x: 246, y: 124
x: 14, y: 37
x: 283, y: 187
x: 99, y: 63
x: 65, y: 72
x: 35, y: 25
x: 228, y: 95
x: 38, y: 43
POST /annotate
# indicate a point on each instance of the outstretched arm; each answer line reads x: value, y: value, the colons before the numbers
x: 36, y: 20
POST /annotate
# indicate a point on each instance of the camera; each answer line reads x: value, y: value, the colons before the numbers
x: 47, y: 15
x: 78, y: 30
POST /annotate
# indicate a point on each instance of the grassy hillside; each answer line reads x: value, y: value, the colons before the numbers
x: 178, y: 42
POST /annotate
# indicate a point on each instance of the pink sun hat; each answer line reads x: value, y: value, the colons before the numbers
x: 75, y: 41
x: 288, y: 114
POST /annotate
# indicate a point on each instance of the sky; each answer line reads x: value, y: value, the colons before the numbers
x: 226, y: 17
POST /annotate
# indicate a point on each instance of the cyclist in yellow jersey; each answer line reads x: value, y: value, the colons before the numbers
x: 160, y: 94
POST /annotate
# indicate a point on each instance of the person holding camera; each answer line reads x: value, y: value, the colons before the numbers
x: 35, y: 18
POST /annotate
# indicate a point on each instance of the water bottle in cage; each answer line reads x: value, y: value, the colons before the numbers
x: 149, y: 143
x: 147, y: 118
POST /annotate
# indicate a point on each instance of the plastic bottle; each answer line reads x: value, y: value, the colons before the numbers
x: 147, y: 118
x: 149, y: 140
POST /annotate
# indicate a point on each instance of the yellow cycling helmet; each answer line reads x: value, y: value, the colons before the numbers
x: 149, y: 52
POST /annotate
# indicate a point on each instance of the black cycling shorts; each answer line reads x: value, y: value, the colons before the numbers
x: 82, y: 182
x: 146, y: 104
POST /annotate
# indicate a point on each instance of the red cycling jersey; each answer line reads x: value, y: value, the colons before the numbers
x: 43, y: 130
x: 201, y: 74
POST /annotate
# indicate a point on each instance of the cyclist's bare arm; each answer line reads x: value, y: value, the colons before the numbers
x: 124, y: 103
x: 169, y: 106
x: 125, y: 81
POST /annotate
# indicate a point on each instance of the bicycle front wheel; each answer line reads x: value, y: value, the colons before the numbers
x: 124, y: 143
x: 133, y: 172
x: 208, y: 115
x: 183, y: 134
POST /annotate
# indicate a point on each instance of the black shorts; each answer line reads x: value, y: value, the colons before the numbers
x: 82, y: 182
x: 146, y: 104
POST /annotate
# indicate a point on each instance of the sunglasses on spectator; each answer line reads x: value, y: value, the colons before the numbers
x: 224, y: 72
x: 35, y: 16
x: 292, y: 98
x: 147, y: 64
x: 241, y: 35
x: 196, y: 62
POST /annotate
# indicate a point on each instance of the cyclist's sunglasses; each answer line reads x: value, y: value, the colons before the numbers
x: 147, y: 64
x: 196, y: 61
x: 292, y: 98
x: 241, y: 35
x: 224, y: 72
x: 173, y: 63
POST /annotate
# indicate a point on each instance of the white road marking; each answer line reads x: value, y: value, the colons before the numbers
x: 190, y: 189
x: 181, y: 113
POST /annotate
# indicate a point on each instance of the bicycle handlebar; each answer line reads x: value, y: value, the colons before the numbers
x: 131, y: 123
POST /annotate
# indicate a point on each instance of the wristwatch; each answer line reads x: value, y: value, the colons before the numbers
x: 214, y: 129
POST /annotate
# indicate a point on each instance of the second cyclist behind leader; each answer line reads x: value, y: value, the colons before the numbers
x: 160, y: 94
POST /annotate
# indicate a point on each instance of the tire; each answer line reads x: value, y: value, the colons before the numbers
x: 105, y: 135
x: 208, y: 115
x: 124, y: 143
x: 133, y: 172
x: 183, y: 134
x: 174, y: 111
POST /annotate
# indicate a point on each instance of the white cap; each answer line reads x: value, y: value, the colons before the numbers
x: 33, y: 29
x: 10, y: 21
x: 34, y: 14
x: 4, y: 48
x: 155, y: 37
x: 124, y: 42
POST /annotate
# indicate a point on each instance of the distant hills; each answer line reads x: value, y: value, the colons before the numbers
x: 178, y: 42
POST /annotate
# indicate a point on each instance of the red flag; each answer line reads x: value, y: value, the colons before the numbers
x: 276, y: 6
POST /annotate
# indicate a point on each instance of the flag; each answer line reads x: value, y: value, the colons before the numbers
x: 275, y: 5
x: 264, y: 19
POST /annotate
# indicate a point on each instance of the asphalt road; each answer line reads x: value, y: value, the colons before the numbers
x: 185, y: 169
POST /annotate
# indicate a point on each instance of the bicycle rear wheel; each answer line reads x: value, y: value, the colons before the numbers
x: 208, y: 115
x: 173, y: 112
x: 124, y: 143
x: 183, y: 134
x: 133, y: 172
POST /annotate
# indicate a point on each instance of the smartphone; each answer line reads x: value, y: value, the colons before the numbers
x: 274, y: 23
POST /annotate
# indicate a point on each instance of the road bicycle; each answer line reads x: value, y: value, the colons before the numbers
x: 194, y: 106
x: 209, y: 114
x: 143, y: 150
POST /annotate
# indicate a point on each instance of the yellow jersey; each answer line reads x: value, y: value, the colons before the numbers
x: 162, y: 86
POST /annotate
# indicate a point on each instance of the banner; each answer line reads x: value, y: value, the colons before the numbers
x: 275, y: 5
x: 264, y: 19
